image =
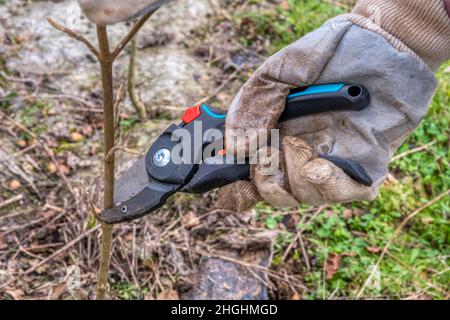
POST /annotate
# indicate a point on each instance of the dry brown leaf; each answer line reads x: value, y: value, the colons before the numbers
x: 32, y: 142
x: 168, y: 295
x: 296, y: 297
x: 348, y: 213
x: 76, y: 137
x: 333, y: 263
x: 330, y: 213
x: 57, y: 291
x: 284, y: 5
x: 21, y: 38
x: 16, y: 294
x: 190, y: 220
x: 21, y: 143
x: 14, y: 185
x: 65, y: 169
x: 427, y: 220
x: 373, y: 249
x: 87, y: 130
x: 51, y: 168
x: 3, y: 244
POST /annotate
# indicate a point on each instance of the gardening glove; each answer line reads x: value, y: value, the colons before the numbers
x: 392, y: 47
x: 105, y: 12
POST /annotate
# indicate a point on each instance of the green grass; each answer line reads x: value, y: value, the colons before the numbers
x: 417, y: 264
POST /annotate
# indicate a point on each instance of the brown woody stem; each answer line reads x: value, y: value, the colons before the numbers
x: 106, y: 62
x: 74, y: 35
x: 106, y: 59
x: 137, y: 104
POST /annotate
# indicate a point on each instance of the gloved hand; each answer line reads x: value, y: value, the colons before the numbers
x: 105, y: 12
x: 392, y: 48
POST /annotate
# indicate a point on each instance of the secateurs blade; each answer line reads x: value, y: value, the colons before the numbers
x: 147, y: 185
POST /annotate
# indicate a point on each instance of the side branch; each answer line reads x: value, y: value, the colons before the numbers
x: 137, y: 26
x: 74, y: 35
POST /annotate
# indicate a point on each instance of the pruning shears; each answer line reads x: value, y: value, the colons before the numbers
x: 147, y: 185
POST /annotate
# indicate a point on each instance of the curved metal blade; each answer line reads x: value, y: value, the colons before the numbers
x: 152, y: 197
x: 132, y: 182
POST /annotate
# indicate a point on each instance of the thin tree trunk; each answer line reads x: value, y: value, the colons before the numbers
x: 138, y: 105
x: 106, y: 57
x: 106, y: 62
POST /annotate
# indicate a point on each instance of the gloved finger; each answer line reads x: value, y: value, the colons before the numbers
x: 269, y: 179
x: 238, y: 197
x: 317, y: 181
x: 298, y: 154
x: 104, y: 12
x: 334, y: 184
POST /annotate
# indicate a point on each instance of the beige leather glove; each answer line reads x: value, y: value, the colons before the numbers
x: 105, y: 12
x: 392, y: 48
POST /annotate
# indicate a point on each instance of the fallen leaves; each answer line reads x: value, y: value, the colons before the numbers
x: 57, y: 291
x: 14, y: 184
x: 15, y: 294
x: 76, y: 137
x: 168, y: 295
x: 373, y: 249
x: 21, y: 144
x: 333, y: 263
x: 296, y: 297
x: 3, y: 244
x: 190, y: 220
x: 285, y: 5
x: 51, y: 168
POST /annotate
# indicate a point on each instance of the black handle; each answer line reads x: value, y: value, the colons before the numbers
x: 325, y: 98
x: 301, y: 102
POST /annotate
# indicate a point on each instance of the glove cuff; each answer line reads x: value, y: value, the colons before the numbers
x: 421, y: 25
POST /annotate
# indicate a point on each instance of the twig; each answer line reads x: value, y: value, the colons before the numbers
x: 300, y: 232
x: 54, y: 255
x: 73, y: 98
x: 397, y: 231
x: 112, y: 152
x: 49, y: 154
x: 416, y: 273
x: 10, y: 201
x: 137, y: 26
x: 117, y: 101
x: 138, y: 105
x: 75, y: 35
x: 304, y: 252
x: 27, y: 225
x: 412, y: 151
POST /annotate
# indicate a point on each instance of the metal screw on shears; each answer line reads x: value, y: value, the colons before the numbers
x: 162, y: 157
x: 124, y: 209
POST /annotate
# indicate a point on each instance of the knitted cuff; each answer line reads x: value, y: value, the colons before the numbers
x: 421, y: 25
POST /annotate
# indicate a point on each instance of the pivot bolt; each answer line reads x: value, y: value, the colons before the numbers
x: 162, y: 158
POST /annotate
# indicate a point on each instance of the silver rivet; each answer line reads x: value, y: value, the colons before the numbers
x: 161, y: 157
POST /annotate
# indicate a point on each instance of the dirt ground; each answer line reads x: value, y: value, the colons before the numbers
x: 50, y: 159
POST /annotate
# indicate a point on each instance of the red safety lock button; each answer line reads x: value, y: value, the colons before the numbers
x: 191, y: 114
